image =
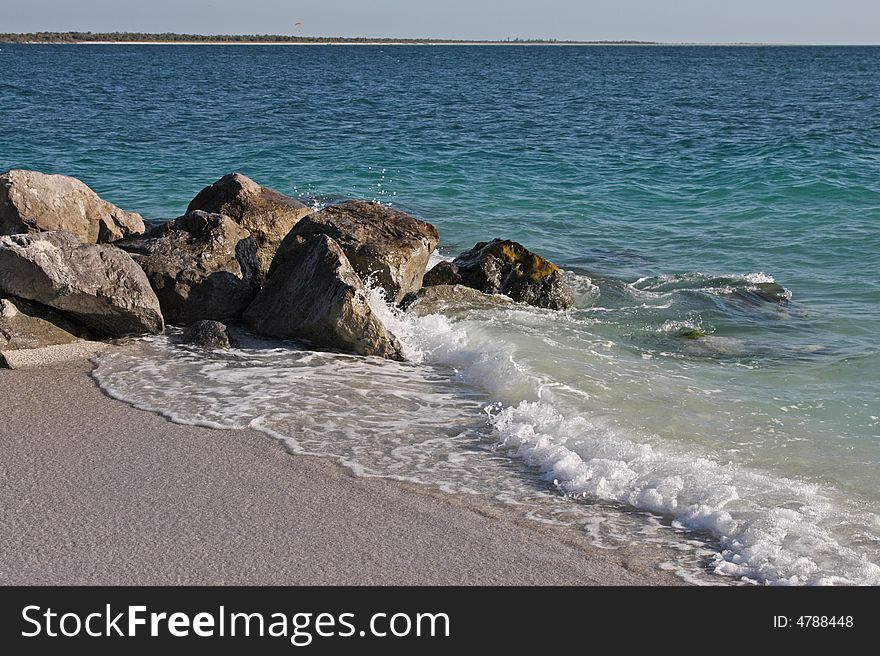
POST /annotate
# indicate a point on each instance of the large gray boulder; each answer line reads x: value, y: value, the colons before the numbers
x: 201, y: 266
x: 505, y: 267
x: 31, y: 201
x: 384, y: 244
x: 451, y: 299
x: 267, y: 214
x: 97, y: 285
x: 314, y: 294
x: 27, y: 325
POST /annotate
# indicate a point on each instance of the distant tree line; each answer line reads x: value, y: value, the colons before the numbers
x: 170, y: 37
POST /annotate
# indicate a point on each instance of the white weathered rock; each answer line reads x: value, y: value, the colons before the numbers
x: 31, y: 201
x: 98, y: 285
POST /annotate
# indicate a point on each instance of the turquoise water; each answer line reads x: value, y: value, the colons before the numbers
x: 673, y: 184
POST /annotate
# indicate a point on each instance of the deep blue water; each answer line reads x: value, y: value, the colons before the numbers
x: 688, y: 169
x: 633, y: 161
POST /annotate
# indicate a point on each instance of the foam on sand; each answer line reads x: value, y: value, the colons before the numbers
x: 470, y: 405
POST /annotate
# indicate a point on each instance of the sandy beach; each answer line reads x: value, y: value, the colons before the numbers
x: 96, y: 492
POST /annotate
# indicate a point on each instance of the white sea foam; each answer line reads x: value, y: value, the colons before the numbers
x: 436, y: 258
x: 422, y: 421
x: 723, y: 285
x: 771, y: 529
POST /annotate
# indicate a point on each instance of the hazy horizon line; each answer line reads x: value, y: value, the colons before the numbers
x: 229, y: 38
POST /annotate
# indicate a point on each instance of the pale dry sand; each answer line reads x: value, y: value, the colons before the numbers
x: 93, y: 491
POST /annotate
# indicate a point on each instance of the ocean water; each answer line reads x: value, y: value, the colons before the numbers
x: 734, y: 191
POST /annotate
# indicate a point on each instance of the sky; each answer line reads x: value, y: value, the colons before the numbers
x: 705, y: 21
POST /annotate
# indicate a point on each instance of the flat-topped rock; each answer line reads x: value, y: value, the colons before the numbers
x: 201, y: 266
x: 381, y: 243
x: 314, y: 294
x: 505, y: 267
x: 445, y: 298
x: 31, y: 201
x: 53, y: 354
x: 27, y: 325
x: 267, y: 214
x: 97, y: 285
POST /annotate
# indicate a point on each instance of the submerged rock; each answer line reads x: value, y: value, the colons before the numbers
x: 691, y: 333
x: 26, y: 325
x: 505, y: 267
x: 98, y: 285
x: 202, y: 266
x: 381, y: 243
x: 764, y: 292
x: 267, y: 214
x: 314, y: 294
x: 208, y: 334
x: 31, y: 201
x: 438, y: 298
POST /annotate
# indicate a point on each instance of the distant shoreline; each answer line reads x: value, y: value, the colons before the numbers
x: 142, y: 38
x: 329, y: 43
x: 561, y: 44
x: 169, y: 39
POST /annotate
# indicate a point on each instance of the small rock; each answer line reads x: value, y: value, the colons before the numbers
x: 440, y: 298
x: 692, y: 333
x: 31, y: 201
x: 208, y: 334
x: 443, y: 274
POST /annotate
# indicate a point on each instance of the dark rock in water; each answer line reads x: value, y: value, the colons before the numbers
x: 443, y: 274
x: 31, y: 201
x: 764, y: 292
x: 381, y: 243
x: 98, y: 285
x: 506, y: 267
x: 267, y: 214
x: 208, y: 334
x: 26, y: 325
x: 438, y: 298
x: 314, y: 294
x: 202, y: 266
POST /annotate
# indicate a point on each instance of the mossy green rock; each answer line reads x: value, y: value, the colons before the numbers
x: 506, y: 267
x: 692, y: 333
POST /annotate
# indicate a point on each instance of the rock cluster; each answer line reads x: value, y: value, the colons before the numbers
x: 74, y: 267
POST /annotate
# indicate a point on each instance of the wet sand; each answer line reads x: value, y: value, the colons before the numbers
x: 96, y: 492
